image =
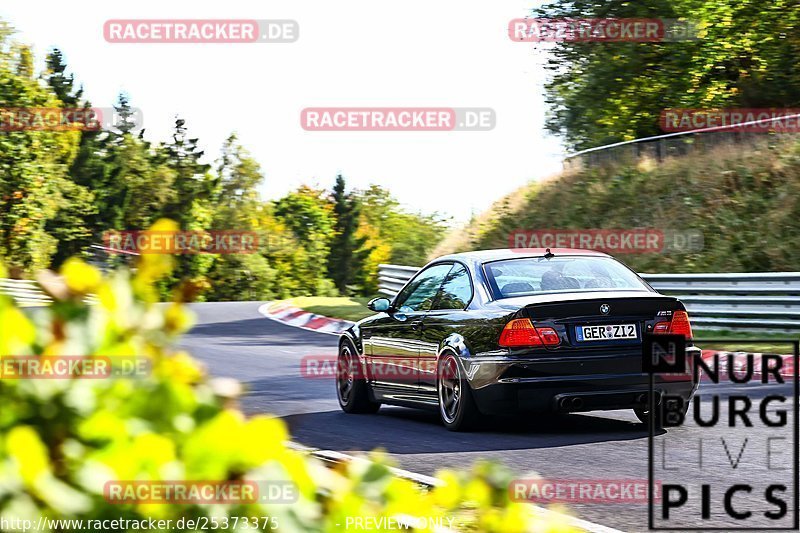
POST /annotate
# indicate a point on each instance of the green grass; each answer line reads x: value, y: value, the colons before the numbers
x: 738, y: 341
x: 339, y: 307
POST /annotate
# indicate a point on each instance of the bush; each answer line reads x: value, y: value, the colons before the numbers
x: 61, y: 440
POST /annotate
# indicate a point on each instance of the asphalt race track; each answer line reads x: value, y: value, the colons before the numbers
x: 233, y: 339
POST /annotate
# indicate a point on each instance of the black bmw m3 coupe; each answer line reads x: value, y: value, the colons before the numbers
x: 506, y: 331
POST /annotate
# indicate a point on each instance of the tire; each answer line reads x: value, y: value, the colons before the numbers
x: 457, y: 407
x: 351, y: 387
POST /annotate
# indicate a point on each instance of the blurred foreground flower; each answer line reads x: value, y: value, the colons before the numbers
x: 63, y: 440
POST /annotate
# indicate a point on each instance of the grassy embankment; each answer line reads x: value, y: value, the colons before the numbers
x: 746, y: 201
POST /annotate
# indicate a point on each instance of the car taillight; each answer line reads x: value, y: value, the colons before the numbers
x: 521, y: 332
x: 679, y: 325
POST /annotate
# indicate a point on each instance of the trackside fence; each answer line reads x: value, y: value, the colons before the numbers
x: 681, y: 143
x: 28, y: 293
x: 729, y: 301
x: 25, y: 292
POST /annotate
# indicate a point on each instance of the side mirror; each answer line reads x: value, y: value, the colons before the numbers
x: 379, y: 305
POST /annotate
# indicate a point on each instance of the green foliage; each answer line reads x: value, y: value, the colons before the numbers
x: 62, y: 84
x: 33, y: 167
x: 347, y: 248
x: 411, y: 236
x: 310, y: 218
x: 62, y: 440
x: 744, y: 56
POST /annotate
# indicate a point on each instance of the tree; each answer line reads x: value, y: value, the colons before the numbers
x: 347, y: 248
x: 33, y: 167
x: 238, y: 207
x: 237, y: 178
x: 63, y: 85
x: 308, y: 215
x: 124, y: 123
x: 412, y: 236
x: 72, y: 224
x: 192, y: 181
x: 743, y: 56
x: 192, y: 206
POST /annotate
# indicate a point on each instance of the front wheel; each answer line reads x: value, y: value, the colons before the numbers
x: 351, y: 387
x: 457, y: 407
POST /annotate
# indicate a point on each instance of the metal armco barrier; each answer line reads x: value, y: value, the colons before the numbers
x: 28, y: 293
x: 391, y: 278
x: 25, y: 292
x: 761, y: 300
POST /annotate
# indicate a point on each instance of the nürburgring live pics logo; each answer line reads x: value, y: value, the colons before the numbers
x: 727, y: 461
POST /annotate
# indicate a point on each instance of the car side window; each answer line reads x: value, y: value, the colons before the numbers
x: 456, y: 290
x: 420, y: 293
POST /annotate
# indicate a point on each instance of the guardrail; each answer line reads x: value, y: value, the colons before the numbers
x: 28, y: 293
x: 25, y: 292
x: 735, y: 301
x: 679, y: 143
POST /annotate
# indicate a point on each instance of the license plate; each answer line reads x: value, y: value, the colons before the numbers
x: 605, y: 333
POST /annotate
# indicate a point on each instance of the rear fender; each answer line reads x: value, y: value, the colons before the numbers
x: 455, y: 344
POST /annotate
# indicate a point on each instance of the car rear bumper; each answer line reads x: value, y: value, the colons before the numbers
x: 506, y: 386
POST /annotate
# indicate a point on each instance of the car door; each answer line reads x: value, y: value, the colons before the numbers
x: 443, y: 320
x: 393, y: 338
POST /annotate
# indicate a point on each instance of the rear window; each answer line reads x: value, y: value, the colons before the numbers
x: 535, y: 275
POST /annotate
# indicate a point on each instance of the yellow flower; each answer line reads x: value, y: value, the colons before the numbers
x: 80, y: 277
x: 16, y: 331
x: 29, y: 452
x: 448, y: 494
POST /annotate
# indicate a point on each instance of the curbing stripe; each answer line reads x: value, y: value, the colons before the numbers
x: 787, y: 367
x: 296, y: 317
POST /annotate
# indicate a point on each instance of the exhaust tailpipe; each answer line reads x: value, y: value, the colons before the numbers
x: 576, y: 403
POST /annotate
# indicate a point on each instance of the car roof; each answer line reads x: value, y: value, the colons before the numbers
x: 485, y: 256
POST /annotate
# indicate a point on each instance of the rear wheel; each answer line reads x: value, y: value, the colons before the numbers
x: 457, y: 407
x: 351, y: 387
